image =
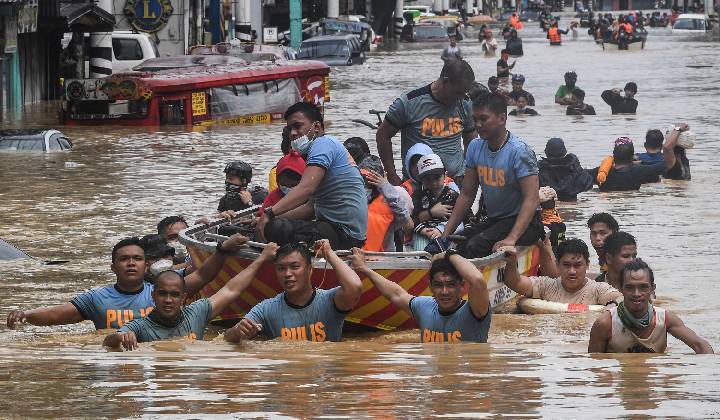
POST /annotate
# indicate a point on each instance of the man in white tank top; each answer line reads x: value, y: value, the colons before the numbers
x: 635, y: 325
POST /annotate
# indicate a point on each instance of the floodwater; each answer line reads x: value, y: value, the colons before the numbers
x: 119, y: 182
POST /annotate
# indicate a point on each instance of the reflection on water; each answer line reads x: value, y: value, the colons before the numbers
x: 120, y: 181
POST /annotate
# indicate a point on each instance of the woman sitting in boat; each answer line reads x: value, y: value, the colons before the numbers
x: 572, y: 285
x: 444, y: 317
x: 389, y: 206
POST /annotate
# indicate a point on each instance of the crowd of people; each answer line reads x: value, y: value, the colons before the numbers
x: 455, y: 143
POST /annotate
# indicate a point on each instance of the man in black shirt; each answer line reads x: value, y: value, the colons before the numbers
x: 624, y: 174
x: 503, y: 69
x: 580, y: 107
x: 618, y: 103
x: 518, y: 81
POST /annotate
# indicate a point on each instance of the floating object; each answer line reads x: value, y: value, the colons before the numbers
x: 408, y: 269
x: 538, y: 306
x: 9, y: 251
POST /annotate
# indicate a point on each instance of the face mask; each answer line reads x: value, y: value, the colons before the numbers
x: 232, y: 189
x: 160, y: 266
x: 285, y: 190
x: 180, y: 250
x: 302, y: 144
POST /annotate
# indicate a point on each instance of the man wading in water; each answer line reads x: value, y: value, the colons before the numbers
x: 302, y: 312
x: 438, y: 114
x: 171, y: 319
x: 130, y: 297
x: 635, y: 325
x: 444, y: 317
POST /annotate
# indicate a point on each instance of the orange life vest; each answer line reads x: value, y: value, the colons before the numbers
x: 554, y: 35
x: 380, y: 217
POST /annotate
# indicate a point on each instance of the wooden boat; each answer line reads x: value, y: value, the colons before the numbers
x: 409, y: 269
x: 637, y: 44
x: 196, y: 90
x: 538, y: 306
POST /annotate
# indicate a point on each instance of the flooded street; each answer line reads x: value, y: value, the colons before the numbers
x: 120, y: 182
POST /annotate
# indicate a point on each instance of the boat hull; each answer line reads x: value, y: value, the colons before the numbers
x: 373, y: 310
x: 633, y: 46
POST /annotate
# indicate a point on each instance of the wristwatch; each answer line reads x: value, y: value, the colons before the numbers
x: 220, y: 249
x: 269, y: 212
x: 450, y: 252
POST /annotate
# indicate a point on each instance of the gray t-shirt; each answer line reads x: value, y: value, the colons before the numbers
x: 423, y: 119
x: 340, y: 197
x: 318, y: 320
x: 196, y: 317
x: 461, y: 325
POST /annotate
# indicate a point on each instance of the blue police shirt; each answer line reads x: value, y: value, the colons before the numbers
x: 109, y: 307
x: 195, y: 317
x: 340, y: 196
x: 461, y: 325
x: 499, y: 173
x: 318, y: 320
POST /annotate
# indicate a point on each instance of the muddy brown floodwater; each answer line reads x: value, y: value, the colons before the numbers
x: 119, y: 182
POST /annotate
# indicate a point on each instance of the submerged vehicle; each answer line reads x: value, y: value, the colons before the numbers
x: 196, y: 89
x: 424, y: 32
x: 691, y: 23
x: 408, y: 269
x: 362, y: 30
x: 33, y: 140
x: 333, y: 50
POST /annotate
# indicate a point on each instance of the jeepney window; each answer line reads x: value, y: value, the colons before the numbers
x: 127, y: 49
x: 172, y: 112
x: 270, y: 97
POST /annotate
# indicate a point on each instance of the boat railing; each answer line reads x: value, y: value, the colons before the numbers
x: 205, y: 237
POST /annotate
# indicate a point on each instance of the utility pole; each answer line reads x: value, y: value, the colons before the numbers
x: 295, y: 24
x: 333, y: 9
x: 398, y: 17
x: 101, y: 47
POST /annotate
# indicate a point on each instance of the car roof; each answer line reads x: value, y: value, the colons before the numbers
x: 10, y: 132
x: 692, y: 16
x: 341, y: 37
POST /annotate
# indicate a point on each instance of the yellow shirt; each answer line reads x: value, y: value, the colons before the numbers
x: 272, y: 179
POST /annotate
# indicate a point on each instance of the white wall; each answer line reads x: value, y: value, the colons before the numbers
x: 171, y: 38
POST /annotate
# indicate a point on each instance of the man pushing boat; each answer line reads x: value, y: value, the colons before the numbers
x: 444, y: 317
x: 302, y: 312
x: 130, y: 297
x: 636, y: 325
x: 572, y: 285
x: 172, y: 319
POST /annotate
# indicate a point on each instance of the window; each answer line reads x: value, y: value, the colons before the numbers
x: 127, y: 49
x: 272, y: 96
x: 35, y: 143
x: 324, y: 49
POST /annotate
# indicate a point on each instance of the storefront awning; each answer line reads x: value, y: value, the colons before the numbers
x: 87, y: 17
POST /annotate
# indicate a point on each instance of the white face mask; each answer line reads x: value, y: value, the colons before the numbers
x: 285, y: 190
x: 180, y: 250
x: 302, y: 144
x: 160, y: 266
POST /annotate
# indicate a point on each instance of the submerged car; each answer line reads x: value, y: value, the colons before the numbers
x: 33, y: 140
x: 333, y: 50
x: 425, y: 32
x: 690, y: 23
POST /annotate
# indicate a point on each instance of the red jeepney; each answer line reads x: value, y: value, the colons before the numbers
x: 191, y: 90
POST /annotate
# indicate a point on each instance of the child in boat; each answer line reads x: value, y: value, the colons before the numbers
x: 550, y: 217
x: 290, y: 169
x: 238, y: 175
x: 434, y: 202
